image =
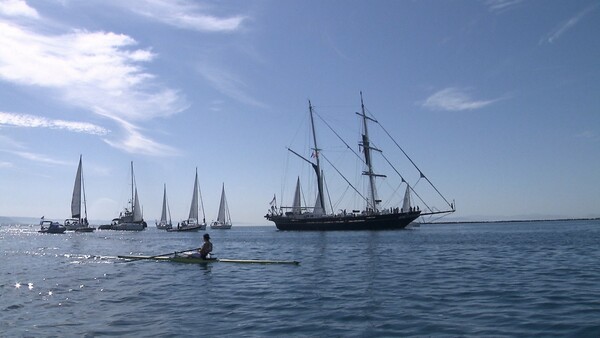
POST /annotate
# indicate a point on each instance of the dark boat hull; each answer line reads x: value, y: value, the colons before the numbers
x: 392, y: 221
x: 53, y: 231
x: 85, y: 229
x: 188, y: 228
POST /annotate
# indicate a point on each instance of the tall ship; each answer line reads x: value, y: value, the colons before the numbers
x: 375, y: 214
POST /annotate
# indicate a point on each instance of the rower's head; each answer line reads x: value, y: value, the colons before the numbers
x: 206, y: 237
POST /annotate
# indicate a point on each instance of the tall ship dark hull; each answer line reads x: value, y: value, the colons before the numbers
x: 395, y: 221
x: 375, y: 214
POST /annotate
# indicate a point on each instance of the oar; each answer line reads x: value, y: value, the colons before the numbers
x: 172, y: 252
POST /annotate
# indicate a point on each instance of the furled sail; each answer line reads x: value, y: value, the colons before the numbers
x: 76, y: 200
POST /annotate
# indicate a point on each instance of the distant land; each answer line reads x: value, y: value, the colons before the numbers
x: 17, y: 220
x: 518, y: 221
x: 6, y: 220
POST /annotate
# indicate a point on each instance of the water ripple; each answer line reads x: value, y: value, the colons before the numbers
x: 536, y: 279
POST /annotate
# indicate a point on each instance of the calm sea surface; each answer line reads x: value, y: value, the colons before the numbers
x: 501, y: 279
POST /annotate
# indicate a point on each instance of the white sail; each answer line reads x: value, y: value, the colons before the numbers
x: 221, y: 217
x: 163, y: 215
x: 406, y: 203
x: 76, y: 200
x: 296, y: 206
x: 318, y: 210
x: 194, y: 206
x: 137, y: 210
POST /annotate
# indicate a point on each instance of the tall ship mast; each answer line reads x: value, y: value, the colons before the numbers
x: 372, y: 217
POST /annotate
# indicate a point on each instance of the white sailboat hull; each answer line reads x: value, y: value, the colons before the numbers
x: 219, y: 225
x: 189, y: 225
x: 164, y: 226
x: 73, y: 224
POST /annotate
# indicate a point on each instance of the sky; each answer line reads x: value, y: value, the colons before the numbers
x: 496, y: 101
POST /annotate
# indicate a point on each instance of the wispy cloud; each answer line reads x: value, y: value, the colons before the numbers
x: 454, y: 99
x: 8, y: 145
x: 228, y: 84
x: 587, y: 134
x: 39, y: 158
x: 102, y: 70
x: 30, y: 121
x: 6, y: 164
x: 184, y: 14
x: 565, y: 26
x: 17, y: 8
x: 135, y: 142
x: 501, y: 5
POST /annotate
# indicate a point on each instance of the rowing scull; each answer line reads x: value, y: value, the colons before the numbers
x: 195, y: 260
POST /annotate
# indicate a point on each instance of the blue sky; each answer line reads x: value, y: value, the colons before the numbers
x: 496, y: 100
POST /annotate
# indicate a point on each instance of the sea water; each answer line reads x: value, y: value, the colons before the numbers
x: 493, y: 279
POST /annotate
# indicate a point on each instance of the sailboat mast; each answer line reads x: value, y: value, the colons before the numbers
x: 163, y: 215
x: 367, y: 150
x: 132, y: 188
x: 316, y: 154
x: 76, y: 199
x: 83, y: 192
x: 201, y: 205
x: 168, y: 207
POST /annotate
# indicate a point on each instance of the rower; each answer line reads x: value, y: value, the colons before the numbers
x: 206, y: 249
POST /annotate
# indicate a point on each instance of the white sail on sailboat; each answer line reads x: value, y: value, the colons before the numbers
x: 296, y: 205
x: 223, y: 218
x: 132, y: 220
x: 78, y: 222
x: 406, y: 202
x: 164, y: 223
x: 192, y: 223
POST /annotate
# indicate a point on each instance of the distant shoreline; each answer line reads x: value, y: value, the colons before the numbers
x: 35, y: 221
x: 517, y: 221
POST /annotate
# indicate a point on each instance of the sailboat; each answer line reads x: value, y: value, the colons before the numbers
x: 131, y: 220
x: 164, y: 223
x: 223, y: 218
x: 192, y: 223
x: 373, y: 216
x: 78, y: 222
